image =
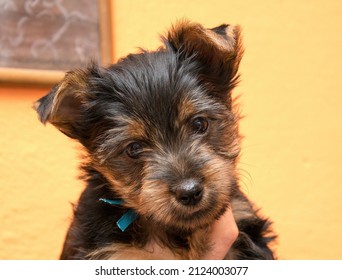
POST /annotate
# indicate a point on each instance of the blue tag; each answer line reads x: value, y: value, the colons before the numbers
x: 127, y: 218
x: 112, y: 201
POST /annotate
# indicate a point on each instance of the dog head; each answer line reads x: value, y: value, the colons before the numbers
x: 160, y: 126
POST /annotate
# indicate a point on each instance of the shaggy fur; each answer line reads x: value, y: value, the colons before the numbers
x: 160, y: 131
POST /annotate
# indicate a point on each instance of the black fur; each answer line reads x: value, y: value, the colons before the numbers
x: 153, y: 98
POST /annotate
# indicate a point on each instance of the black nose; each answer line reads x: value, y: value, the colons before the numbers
x: 189, y: 192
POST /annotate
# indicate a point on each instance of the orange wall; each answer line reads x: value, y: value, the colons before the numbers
x: 290, y: 96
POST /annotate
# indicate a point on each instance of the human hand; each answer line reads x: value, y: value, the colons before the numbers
x: 223, y: 234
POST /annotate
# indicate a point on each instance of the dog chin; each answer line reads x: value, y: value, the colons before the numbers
x: 198, y: 218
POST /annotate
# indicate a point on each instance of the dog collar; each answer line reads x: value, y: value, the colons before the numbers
x: 126, y: 219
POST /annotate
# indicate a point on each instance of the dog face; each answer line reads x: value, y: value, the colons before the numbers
x: 160, y: 126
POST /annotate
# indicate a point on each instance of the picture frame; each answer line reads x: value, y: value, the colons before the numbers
x: 43, y: 74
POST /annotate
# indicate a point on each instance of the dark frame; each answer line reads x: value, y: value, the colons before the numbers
x: 44, y: 77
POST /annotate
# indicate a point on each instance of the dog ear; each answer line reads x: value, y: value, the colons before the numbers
x: 216, y: 51
x: 65, y: 104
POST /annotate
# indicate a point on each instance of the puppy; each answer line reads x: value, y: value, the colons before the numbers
x: 161, y: 142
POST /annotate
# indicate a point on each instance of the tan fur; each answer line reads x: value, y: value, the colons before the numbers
x: 129, y: 252
x: 155, y: 250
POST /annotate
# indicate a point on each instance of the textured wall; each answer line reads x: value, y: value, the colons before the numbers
x: 37, y: 179
x: 290, y: 96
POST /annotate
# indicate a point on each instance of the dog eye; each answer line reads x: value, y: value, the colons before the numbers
x: 134, y: 150
x: 200, y: 125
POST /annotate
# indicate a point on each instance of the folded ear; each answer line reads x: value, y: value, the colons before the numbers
x: 217, y: 51
x: 65, y: 104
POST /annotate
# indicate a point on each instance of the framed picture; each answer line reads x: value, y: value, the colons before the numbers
x: 41, y: 39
